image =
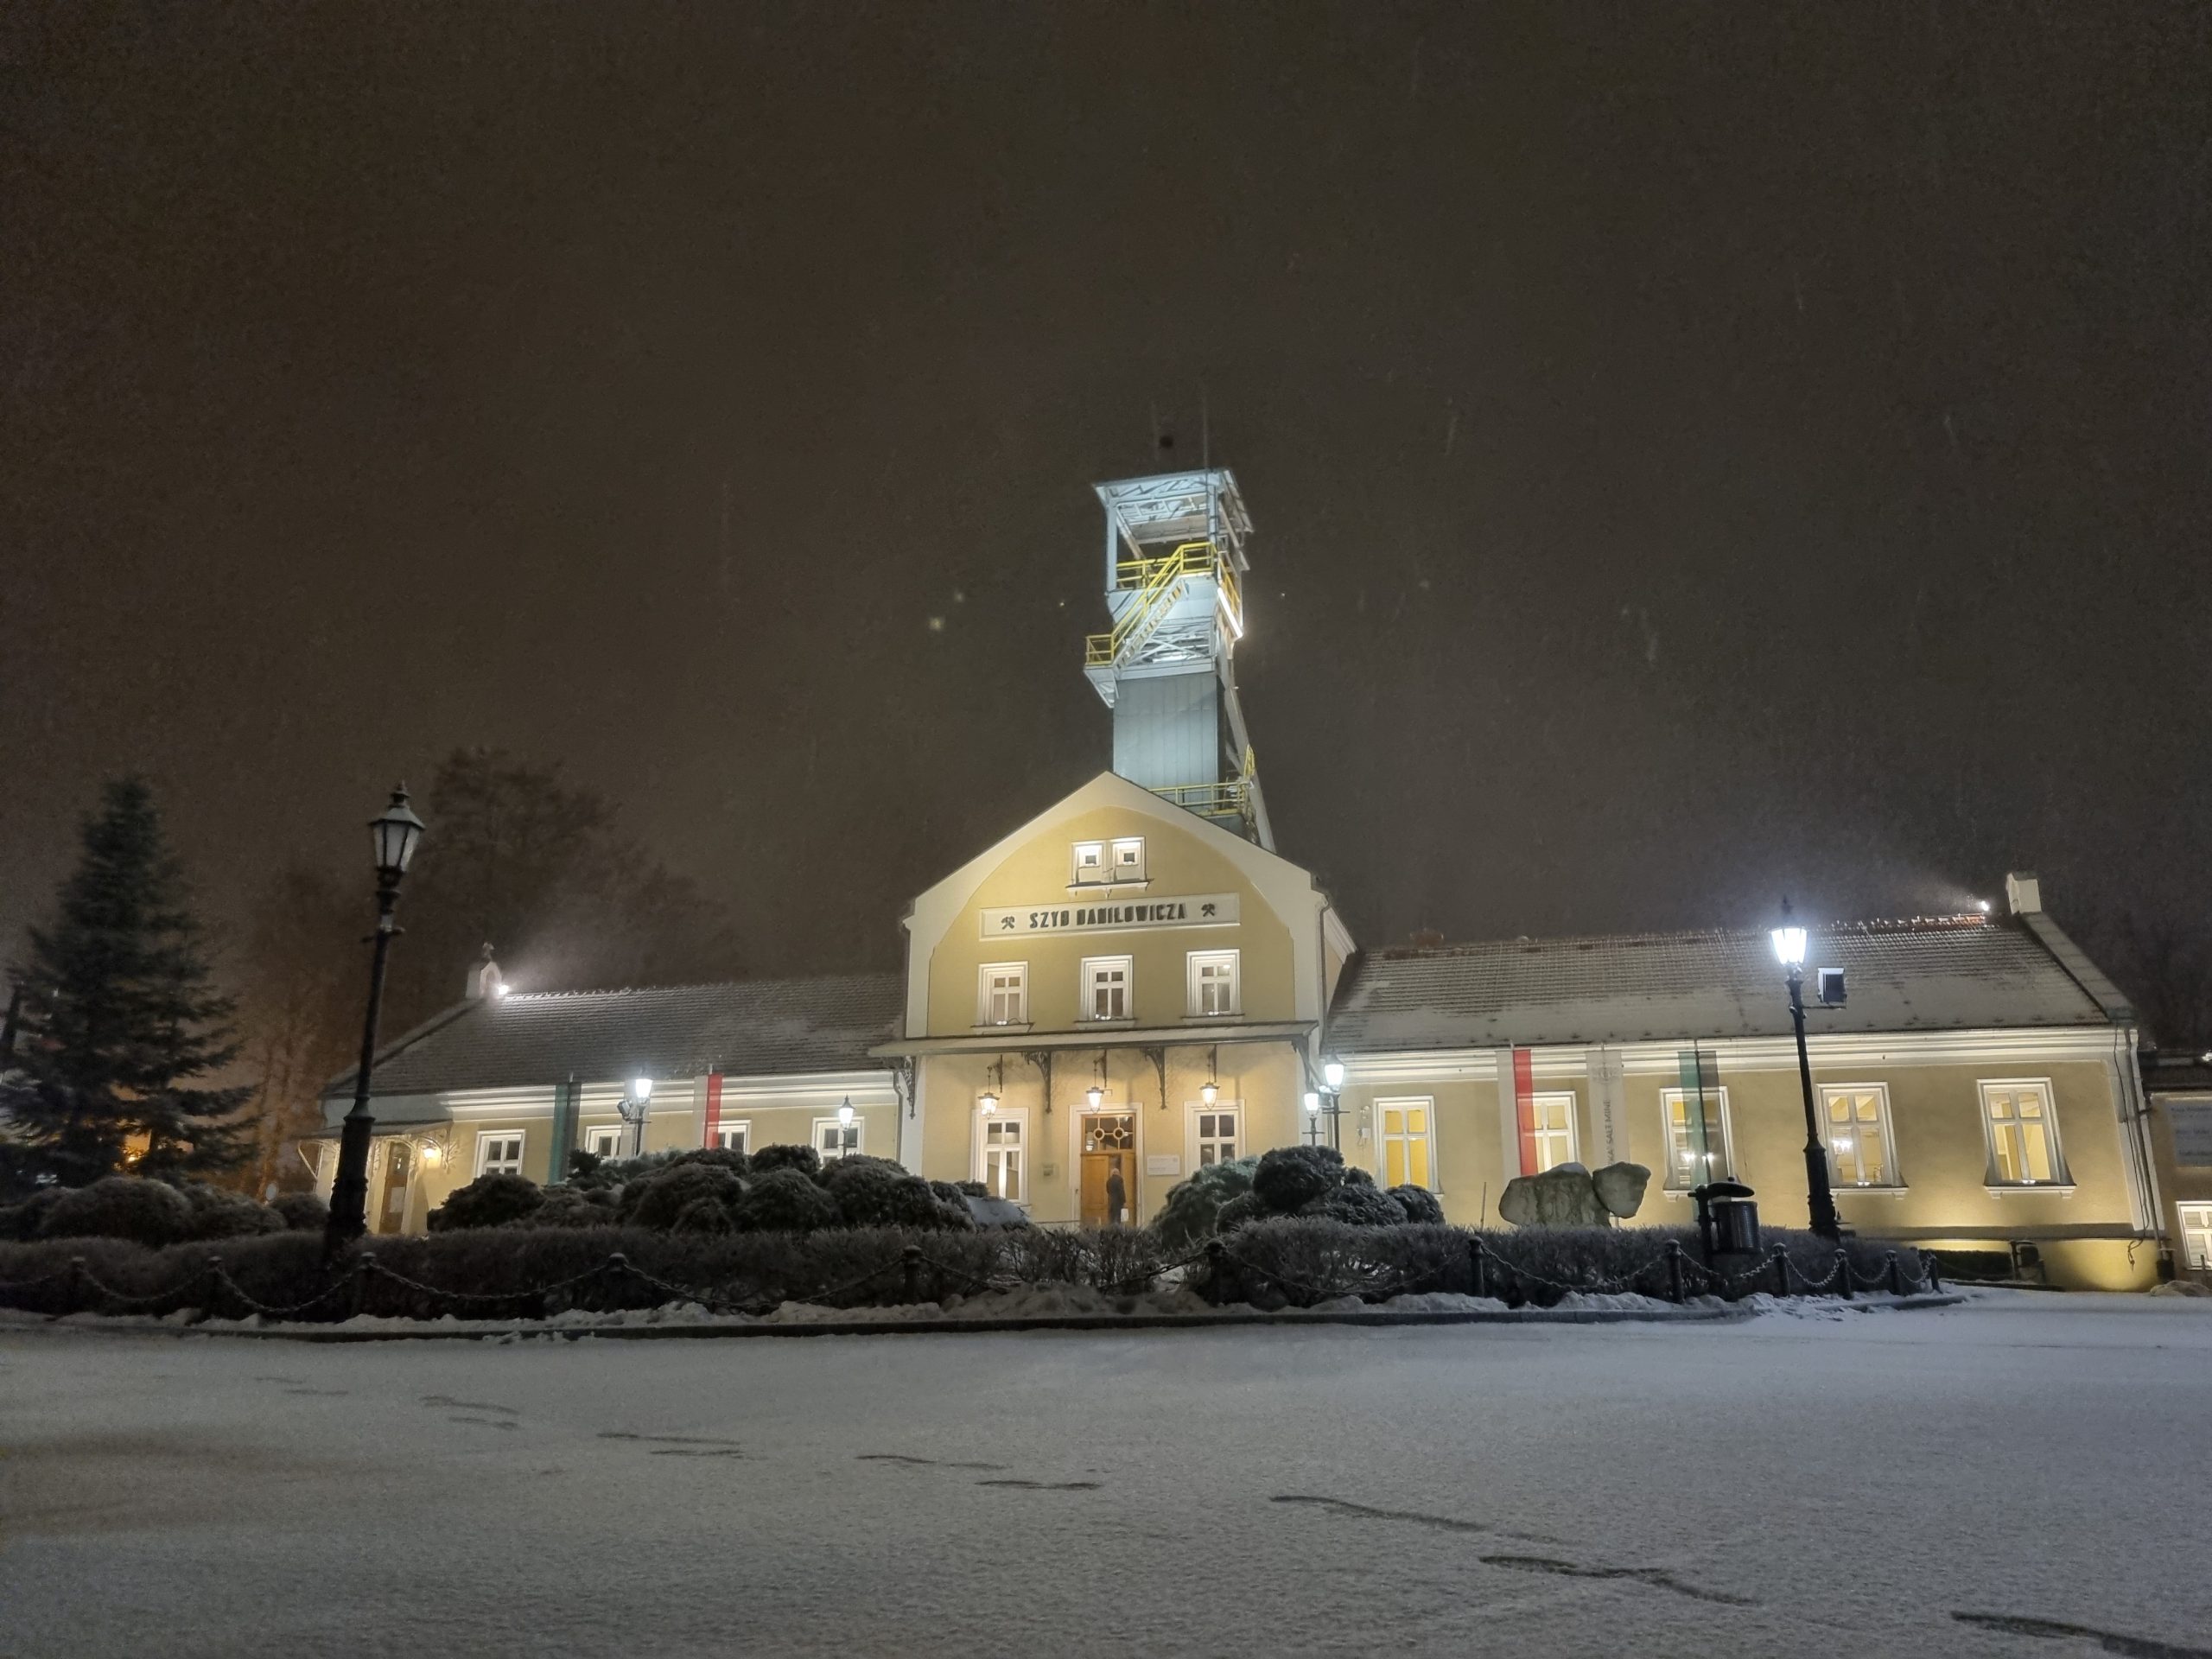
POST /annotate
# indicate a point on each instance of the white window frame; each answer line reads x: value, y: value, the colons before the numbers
x: 1837, y: 1178
x: 825, y: 1127
x: 486, y: 1165
x: 1197, y: 1141
x: 980, y: 1163
x: 1726, y: 1172
x: 986, y: 994
x: 1088, y: 987
x: 2059, y: 1180
x: 1573, y: 1130
x: 2193, y: 1223
x: 1427, y: 1134
x: 1076, y: 866
x: 612, y: 1133
x: 1194, y: 963
x: 1121, y: 873
x: 740, y: 1126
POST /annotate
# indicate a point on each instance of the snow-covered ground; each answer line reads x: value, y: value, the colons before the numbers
x: 2013, y: 1477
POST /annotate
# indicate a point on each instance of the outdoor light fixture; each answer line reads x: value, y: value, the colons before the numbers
x: 641, y: 1088
x: 1790, y: 948
x: 1313, y: 1104
x: 845, y: 1111
x: 635, y: 1106
x: 1208, y: 1092
x: 1983, y: 906
x: 1094, y: 1094
x: 397, y: 832
x: 1790, y: 943
x: 432, y: 1152
x: 987, y: 1102
x: 394, y: 833
x: 1332, y: 1072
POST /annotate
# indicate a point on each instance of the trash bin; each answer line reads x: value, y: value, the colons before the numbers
x: 1734, y: 1215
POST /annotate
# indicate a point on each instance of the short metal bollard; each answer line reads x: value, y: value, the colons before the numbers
x: 1897, y: 1274
x: 1930, y: 1277
x: 1479, y: 1265
x: 1843, y: 1273
x: 1216, y: 1273
x: 212, y: 1303
x: 1674, y: 1270
x: 363, y: 1265
x: 910, y: 1269
x: 1781, y: 1270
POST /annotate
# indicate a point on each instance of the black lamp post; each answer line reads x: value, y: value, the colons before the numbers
x: 395, y: 833
x: 1790, y: 948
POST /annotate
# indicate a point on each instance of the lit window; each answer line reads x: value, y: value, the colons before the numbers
x: 734, y: 1137
x: 1129, y: 859
x: 1213, y: 982
x: 1855, y: 1123
x: 1005, y: 995
x: 499, y: 1152
x: 1002, y: 1133
x: 1405, y: 1141
x: 1697, y: 1140
x: 1106, y: 988
x: 605, y: 1142
x: 2023, y: 1134
x: 1216, y: 1137
x: 1089, y: 864
x: 1552, y: 1130
x: 2196, y: 1234
x: 834, y: 1140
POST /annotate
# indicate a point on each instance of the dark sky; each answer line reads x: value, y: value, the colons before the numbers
x: 1697, y: 452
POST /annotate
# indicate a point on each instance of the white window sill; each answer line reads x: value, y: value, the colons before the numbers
x: 1211, y: 1019
x: 1129, y: 1024
x: 2014, y: 1189
x: 1880, y: 1189
x: 1080, y: 889
x: 1015, y: 1026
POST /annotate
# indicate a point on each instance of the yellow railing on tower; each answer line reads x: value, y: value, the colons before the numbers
x: 1155, y: 581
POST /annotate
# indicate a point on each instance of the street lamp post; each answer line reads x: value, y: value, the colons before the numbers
x: 395, y: 833
x: 635, y: 1106
x: 1790, y: 950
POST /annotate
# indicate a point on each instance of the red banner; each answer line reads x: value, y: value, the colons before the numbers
x: 1524, y: 1106
x: 714, y: 1106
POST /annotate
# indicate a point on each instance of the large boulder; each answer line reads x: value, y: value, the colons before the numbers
x: 1558, y: 1198
x: 1620, y: 1187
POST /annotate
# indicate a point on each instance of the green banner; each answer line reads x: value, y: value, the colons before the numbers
x: 1700, y: 1074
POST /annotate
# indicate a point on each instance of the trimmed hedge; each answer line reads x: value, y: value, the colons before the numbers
x: 507, y: 1269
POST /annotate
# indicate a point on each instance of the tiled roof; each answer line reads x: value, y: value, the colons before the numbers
x: 1945, y: 973
x: 758, y: 1028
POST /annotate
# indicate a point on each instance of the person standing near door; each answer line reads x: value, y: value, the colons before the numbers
x: 1117, y: 1195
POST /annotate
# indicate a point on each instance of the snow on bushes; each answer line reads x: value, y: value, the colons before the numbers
x: 876, y: 1192
x: 1290, y: 1178
x: 1418, y: 1203
x: 806, y: 1160
x: 785, y: 1201
x: 488, y: 1201
x: 1193, y: 1206
x: 303, y: 1212
x: 660, y: 1197
x: 151, y: 1213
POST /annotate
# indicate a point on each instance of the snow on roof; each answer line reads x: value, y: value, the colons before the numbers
x: 1940, y: 972
x: 759, y: 1028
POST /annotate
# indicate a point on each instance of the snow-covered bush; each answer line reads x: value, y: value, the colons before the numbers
x: 218, y: 1213
x: 1360, y: 1204
x: 1240, y: 1210
x: 704, y: 1215
x: 1290, y: 1178
x: 876, y: 1192
x: 728, y: 1158
x: 488, y: 1201
x: 784, y: 1200
x: 20, y: 1222
x: 145, y: 1212
x: 806, y: 1160
x: 1418, y: 1203
x: 1193, y: 1204
x: 658, y: 1199
x: 303, y: 1212
x: 572, y: 1206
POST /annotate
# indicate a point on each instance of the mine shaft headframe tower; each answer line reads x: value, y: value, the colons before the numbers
x: 1175, y: 568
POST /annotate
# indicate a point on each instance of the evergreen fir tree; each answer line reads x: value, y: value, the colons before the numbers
x: 120, y: 1017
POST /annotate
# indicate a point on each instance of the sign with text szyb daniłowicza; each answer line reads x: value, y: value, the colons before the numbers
x: 1110, y: 916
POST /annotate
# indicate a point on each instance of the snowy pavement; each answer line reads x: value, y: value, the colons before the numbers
x: 2024, y: 1475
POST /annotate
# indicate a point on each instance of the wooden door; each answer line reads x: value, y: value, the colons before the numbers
x: 1109, y: 1143
x: 399, y: 1165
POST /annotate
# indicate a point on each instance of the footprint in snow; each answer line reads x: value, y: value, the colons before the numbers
x: 922, y: 1463
x: 2051, y: 1630
x: 467, y: 1405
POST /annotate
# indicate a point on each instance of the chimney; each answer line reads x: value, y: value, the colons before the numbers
x: 484, y: 980
x: 2022, y: 892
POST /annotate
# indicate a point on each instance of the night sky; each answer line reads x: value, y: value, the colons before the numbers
x: 1697, y: 453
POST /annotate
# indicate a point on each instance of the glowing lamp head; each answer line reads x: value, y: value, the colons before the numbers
x: 1094, y: 1094
x: 1208, y: 1092
x: 845, y: 1111
x: 641, y: 1088
x: 1313, y: 1100
x: 1789, y: 946
x: 432, y: 1154
x: 395, y: 833
x: 1333, y: 1072
x: 988, y: 1102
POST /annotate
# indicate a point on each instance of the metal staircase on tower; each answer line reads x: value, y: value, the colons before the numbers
x: 1175, y: 562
